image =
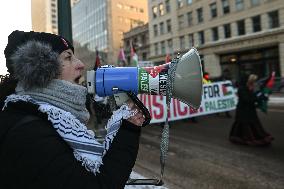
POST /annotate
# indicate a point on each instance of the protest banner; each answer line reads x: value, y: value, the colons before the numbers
x: 217, y: 97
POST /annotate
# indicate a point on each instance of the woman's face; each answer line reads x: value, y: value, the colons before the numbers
x: 72, y: 68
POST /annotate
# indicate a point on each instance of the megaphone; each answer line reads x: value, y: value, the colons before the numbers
x: 187, y: 85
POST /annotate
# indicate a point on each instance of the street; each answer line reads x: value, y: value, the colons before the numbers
x: 200, y: 155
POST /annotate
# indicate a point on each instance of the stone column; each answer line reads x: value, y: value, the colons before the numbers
x: 212, y: 65
x: 281, y: 58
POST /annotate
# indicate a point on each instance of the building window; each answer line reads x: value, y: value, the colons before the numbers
x: 161, y: 9
x: 215, y: 34
x: 241, y: 27
x: 255, y: 2
x: 227, y: 30
x: 179, y: 3
x: 155, y: 12
x: 239, y: 5
x: 189, y: 18
x: 144, y: 56
x: 156, y: 48
x: 201, y: 38
x: 181, y: 21
x: 256, y: 23
x: 162, y: 28
x: 199, y: 15
x: 163, y: 47
x: 182, y: 42
x: 168, y: 6
x: 226, y: 6
x: 155, y: 30
x: 213, y: 9
x: 273, y: 19
x: 170, y: 44
x: 191, y: 40
x: 189, y: 2
x: 169, y: 26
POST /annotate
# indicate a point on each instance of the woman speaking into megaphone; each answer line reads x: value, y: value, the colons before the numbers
x: 44, y: 142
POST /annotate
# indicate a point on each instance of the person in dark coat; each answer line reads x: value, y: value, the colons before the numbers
x: 44, y: 142
x: 247, y: 128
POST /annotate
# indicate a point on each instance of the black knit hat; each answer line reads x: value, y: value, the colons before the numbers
x: 32, y: 57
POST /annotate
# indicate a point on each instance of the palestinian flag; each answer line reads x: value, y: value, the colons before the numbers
x: 134, y: 57
x: 225, y: 89
x: 98, y: 62
x: 264, y: 92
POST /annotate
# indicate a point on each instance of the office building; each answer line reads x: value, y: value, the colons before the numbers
x: 242, y: 36
x: 100, y: 24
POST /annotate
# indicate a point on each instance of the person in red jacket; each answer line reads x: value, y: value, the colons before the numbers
x: 44, y: 142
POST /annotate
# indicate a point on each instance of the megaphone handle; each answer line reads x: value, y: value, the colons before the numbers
x: 141, y: 106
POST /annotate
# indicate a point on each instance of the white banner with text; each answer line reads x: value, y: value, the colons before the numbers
x: 217, y: 97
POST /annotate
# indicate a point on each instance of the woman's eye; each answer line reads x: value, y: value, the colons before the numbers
x: 68, y: 57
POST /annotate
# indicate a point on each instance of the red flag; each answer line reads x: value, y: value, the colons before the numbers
x: 121, y: 58
x: 270, y: 82
x: 168, y: 58
x: 98, y: 62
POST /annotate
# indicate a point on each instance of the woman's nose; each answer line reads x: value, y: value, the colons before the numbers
x: 80, y: 65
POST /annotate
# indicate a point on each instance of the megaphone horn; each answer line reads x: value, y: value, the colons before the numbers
x: 187, y: 86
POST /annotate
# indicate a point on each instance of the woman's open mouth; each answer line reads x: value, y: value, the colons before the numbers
x: 77, y: 79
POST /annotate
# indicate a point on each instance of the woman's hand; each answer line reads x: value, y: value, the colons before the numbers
x: 138, y: 117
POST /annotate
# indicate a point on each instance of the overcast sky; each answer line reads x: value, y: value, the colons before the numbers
x: 14, y: 15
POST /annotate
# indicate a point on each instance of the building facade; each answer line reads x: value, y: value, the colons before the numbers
x: 101, y: 23
x: 139, y: 38
x: 44, y: 16
x: 236, y: 36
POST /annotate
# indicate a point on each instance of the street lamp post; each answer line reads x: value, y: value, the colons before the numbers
x: 64, y: 19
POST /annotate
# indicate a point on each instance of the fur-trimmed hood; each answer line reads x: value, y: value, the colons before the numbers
x: 35, y: 64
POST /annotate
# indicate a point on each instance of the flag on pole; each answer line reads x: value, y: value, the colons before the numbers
x: 121, y: 58
x: 264, y: 92
x: 168, y: 58
x: 134, y: 57
x: 98, y: 62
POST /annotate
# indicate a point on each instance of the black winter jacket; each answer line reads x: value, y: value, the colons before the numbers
x: 33, y: 155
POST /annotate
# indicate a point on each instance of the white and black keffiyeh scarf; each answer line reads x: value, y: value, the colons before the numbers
x: 83, y: 142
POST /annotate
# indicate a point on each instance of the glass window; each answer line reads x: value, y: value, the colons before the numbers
x: 163, y: 47
x: 168, y: 6
x: 227, y: 30
x: 239, y: 5
x: 199, y: 15
x: 181, y: 21
x: 226, y: 6
x: 162, y: 28
x: 256, y: 23
x: 213, y: 9
x: 189, y: 19
x: 155, y: 11
x: 179, y: 3
x: 169, y: 26
x: 273, y: 19
x: 182, y: 42
x: 155, y: 27
x: 241, y: 27
x: 156, y: 46
x: 161, y: 9
x: 170, y: 44
x: 191, y: 40
x: 255, y: 2
x: 201, y: 39
x: 215, y: 34
x: 189, y: 2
